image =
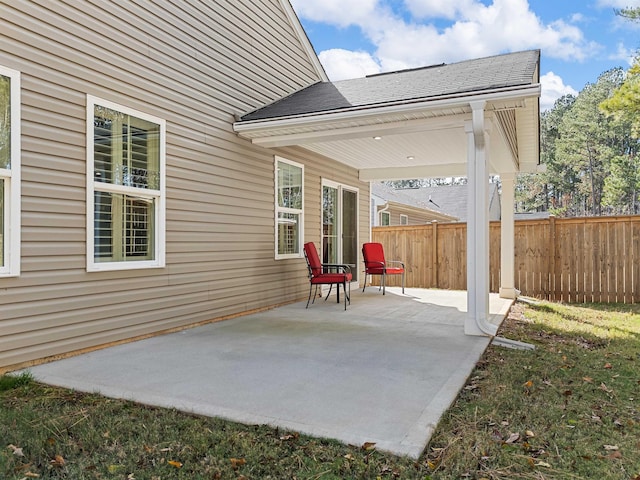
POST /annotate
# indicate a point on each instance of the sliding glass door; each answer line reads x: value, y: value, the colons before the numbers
x: 340, y: 225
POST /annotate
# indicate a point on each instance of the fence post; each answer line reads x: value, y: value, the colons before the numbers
x: 434, y: 254
x: 552, y: 258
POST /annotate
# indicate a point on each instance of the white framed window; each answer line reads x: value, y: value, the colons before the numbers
x: 125, y: 187
x: 385, y: 219
x: 289, y: 181
x: 404, y: 219
x: 9, y: 172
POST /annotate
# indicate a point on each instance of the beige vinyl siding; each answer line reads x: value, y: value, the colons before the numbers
x: 196, y: 65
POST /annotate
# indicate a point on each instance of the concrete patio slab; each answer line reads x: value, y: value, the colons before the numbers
x: 384, y: 371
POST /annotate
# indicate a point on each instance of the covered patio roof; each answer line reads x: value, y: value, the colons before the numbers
x: 474, y: 118
x: 412, y: 123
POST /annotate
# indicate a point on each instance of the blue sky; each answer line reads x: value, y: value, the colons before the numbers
x: 579, y: 39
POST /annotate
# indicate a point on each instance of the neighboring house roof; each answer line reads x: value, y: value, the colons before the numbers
x: 500, y: 71
x: 531, y: 215
x: 452, y: 199
x: 399, y: 197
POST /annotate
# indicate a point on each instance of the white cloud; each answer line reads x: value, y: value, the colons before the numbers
x: 342, y: 64
x: 472, y: 29
x: 437, y: 8
x: 624, y: 53
x: 553, y: 87
x: 341, y: 13
x: 619, y: 3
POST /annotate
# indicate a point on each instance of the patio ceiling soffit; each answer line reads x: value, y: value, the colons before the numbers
x: 427, y: 136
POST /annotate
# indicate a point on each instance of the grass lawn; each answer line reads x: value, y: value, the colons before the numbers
x: 568, y: 410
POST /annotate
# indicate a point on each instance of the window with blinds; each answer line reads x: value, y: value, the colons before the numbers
x: 289, y: 208
x: 128, y: 200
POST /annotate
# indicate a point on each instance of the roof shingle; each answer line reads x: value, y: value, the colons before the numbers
x: 500, y: 71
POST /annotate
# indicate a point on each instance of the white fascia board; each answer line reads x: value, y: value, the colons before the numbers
x: 461, y: 100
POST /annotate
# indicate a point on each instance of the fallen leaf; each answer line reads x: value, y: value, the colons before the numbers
x: 604, y: 388
x: 514, y: 437
x: 58, y: 461
x: 610, y: 447
x: 237, y: 462
x: 543, y: 464
x: 31, y: 475
x: 567, y: 393
x: 608, y: 365
x: 175, y: 463
x: 614, y: 455
x: 368, y: 445
x: 348, y: 456
x: 528, y: 384
x: 17, y: 451
x: 289, y: 437
x: 131, y: 477
x: 618, y: 423
x: 529, y: 434
x: 587, y: 379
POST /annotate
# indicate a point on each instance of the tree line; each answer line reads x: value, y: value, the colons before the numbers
x: 589, y: 144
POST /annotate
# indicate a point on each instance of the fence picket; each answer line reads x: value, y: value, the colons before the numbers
x: 562, y: 259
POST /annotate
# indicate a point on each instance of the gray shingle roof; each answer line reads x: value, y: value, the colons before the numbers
x: 500, y: 71
x: 447, y: 199
x: 391, y: 194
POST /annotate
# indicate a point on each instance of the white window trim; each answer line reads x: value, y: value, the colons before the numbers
x: 160, y: 195
x: 11, y: 179
x: 405, y: 218
x: 278, y: 209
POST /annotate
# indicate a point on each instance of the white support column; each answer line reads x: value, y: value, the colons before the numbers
x: 477, y: 321
x: 507, y: 237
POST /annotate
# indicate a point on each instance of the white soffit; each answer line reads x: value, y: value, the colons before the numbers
x: 426, y: 140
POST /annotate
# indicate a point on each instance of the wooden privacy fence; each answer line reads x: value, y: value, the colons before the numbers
x: 594, y: 259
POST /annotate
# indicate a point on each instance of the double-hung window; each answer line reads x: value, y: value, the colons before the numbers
x: 289, y: 180
x: 9, y: 172
x: 125, y: 188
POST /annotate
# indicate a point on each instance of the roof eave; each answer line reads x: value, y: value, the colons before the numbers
x: 444, y: 101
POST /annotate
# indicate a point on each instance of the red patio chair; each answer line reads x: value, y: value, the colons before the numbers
x: 375, y: 264
x: 326, y: 274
